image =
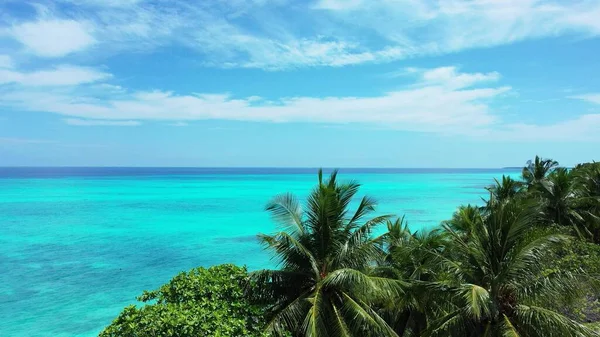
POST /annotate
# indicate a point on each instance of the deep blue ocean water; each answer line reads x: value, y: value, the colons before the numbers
x: 79, y: 244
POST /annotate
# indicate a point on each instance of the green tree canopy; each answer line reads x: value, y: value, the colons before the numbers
x: 201, y: 302
x: 508, y: 268
x: 505, y: 189
x: 324, y: 251
x: 496, y: 283
x: 537, y: 169
x: 414, y: 258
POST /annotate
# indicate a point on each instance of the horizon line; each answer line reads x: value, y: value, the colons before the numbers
x: 273, y: 167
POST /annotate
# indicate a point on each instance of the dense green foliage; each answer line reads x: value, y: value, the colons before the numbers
x: 325, y: 252
x: 523, y: 264
x: 497, y: 286
x: 201, y: 302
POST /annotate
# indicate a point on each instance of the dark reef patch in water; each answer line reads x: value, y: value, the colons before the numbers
x: 238, y: 239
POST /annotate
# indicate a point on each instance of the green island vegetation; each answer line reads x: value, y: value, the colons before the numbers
x: 523, y: 264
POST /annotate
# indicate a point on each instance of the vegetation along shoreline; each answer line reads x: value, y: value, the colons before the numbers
x: 525, y: 263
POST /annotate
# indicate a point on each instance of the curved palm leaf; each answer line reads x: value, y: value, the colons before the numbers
x: 496, y: 274
x: 328, y: 249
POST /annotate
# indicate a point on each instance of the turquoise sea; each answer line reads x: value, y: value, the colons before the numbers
x: 79, y: 244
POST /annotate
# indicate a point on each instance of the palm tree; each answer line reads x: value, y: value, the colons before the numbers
x: 538, y: 169
x: 324, y: 252
x: 587, y: 187
x: 464, y: 219
x: 409, y: 259
x: 562, y: 201
x: 588, y: 176
x: 495, y: 281
x: 506, y: 189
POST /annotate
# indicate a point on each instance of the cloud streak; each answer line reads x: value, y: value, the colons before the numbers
x: 256, y: 34
x: 450, y: 76
x: 591, y: 98
x: 442, y: 100
x: 19, y: 141
x: 64, y: 75
x: 92, y: 122
x: 6, y: 62
x: 583, y: 128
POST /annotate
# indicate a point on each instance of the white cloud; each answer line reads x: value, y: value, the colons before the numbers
x: 92, y: 122
x: 581, y: 128
x: 271, y: 35
x: 592, y: 98
x: 442, y: 106
x: 441, y: 101
x: 433, y: 27
x: 64, y: 75
x: 367, y: 31
x: 53, y: 38
x: 110, y: 3
x: 13, y: 141
x: 6, y: 62
x: 337, y: 4
x: 449, y: 76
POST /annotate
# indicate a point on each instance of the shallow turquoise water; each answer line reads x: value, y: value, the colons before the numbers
x: 76, y: 248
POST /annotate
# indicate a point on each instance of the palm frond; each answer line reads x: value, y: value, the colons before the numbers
x: 451, y: 324
x: 288, y: 316
x: 285, y: 209
x: 526, y: 257
x: 290, y: 251
x: 360, y: 317
x: 508, y: 329
x: 341, y: 328
x: 366, y: 206
x: 477, y: 299
x: 538, y: 321
x: 356, y: 282
x: 315, y: 324
x: 277, y: 287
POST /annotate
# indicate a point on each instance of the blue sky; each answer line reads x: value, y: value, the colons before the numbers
x: 356, y: 83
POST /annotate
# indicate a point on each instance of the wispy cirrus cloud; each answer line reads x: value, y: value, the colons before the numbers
x: 17, y: 141
x: 592, y: 98
x: 63, y: 75
x: 337, y: 4
x: 437, y: 27
x: 96, y: 122
x: 451, y: 77
x: 581, y: 128
x: 458, y: 107
x: 443, y: 100
x: 272, y: 35
x: 6, y: 62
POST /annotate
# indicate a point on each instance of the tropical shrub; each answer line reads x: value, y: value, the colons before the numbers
x: 201, y: 302
x: 578, y: 256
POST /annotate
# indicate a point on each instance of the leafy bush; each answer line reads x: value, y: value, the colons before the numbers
x: 579, y: 254
x: 201, y: 302
x: 575, y: 256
